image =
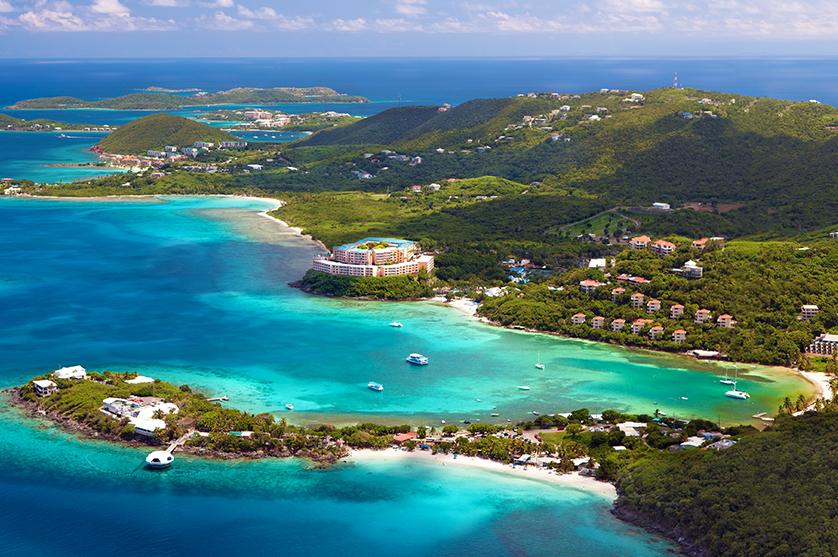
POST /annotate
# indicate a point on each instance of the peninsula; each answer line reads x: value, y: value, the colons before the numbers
x: 171, y: 101
x: 648, y: 457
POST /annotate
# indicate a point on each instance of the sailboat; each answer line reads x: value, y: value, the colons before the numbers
x: 727, y: 380
x: 539, y: 364
x: 736, y: 393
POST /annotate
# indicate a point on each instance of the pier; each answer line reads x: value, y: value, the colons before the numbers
x: 180, y: 441
x: 222, y: 398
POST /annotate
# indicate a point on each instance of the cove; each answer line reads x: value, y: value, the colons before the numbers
x: 194, y: 290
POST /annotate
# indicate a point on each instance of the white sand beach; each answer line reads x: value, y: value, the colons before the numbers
x: 821, y: 382
x: 573, y: 480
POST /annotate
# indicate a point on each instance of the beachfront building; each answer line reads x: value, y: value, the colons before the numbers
x: 44, y: 387
x: 618, y: 324
x: 726, y: 320
x: 702, y: 315
x: 662, y: 247
x: 676, y: 311
x: 71, y: 372
x: 375, y: 257
x: 808, y: 311
x: 680, y: 335
x: 141, y: 412
x: 824, y: 344
x: 637, y: 300
x: 652, y: 306
x: 639, y: 242
x: 578, y: 319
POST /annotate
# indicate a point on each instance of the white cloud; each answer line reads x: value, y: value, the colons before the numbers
x: 276, y: 20
x: 396, y: 24
x: 167, y: 3
x: 6, y: 6
x: 109, y: 7
x: 349, y: 25
x: 51, y: 20
x: 411, y: 8
x: 220, y: 21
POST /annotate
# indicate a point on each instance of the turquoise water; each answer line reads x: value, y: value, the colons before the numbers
x: 28, y: 155
x: 65, y: 497
x: 194, y: 290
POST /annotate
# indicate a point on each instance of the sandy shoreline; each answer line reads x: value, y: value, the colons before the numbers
x: 573, y: 480
x: 821, y: 382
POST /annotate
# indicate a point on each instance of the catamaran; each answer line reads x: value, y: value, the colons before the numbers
x: 539, y: 364
x: 373, y: 386
x: 396, y: 324
x: 736, y: 393
x: 417, y: 359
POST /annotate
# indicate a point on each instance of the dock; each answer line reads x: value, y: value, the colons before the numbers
x: 180, y: 441
x: 222, y: 398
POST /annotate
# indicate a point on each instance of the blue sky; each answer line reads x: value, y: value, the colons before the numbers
x: 292, y: 28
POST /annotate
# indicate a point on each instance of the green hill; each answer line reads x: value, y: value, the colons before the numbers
x: 158, y: 130
x: 774, y: 493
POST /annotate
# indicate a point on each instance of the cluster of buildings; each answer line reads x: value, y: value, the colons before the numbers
x: 141, y: 412
x: 638, y: 300
x: 380, y: 162
x: 47, y: 387
x: 10, y: 188
x: 173, y: 152
x: 826, y: 344
x: 376, y: 257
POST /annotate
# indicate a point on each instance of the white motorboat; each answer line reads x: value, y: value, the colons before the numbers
x: 396, y: 324
x: 523, y: 387
x: 289, y: 406
x: 417, y: 359
x: 159, y: 459
x: 373, y: 386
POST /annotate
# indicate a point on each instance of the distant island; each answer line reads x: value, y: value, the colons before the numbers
x: 9, y: 123
x: 169, y: 101
x: 155, y: 89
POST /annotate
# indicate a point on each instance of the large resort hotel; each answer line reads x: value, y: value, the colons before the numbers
x: 376, y: 257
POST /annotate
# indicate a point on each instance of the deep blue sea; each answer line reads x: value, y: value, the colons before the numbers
x: 386, y: 82
x: 194, y: 290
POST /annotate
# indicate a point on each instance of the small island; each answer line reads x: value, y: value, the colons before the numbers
x: 172, y: 101
x: 262, y: 119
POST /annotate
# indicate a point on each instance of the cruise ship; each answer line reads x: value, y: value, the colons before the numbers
x: 417, y: 359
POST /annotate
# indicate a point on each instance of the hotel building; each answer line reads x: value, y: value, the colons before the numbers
x: 375, y: 257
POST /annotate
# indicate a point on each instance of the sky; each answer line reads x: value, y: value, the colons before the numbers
x: 417, y: 28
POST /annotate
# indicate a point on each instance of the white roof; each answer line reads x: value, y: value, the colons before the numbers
x: 828, y: 337
x: 43, y: 383
x: 631, y: 424
x: 139, y: 379
x: 810, y: 306
x: 597, y: 263
x: 619, y: 448
x: 148, y: 424
x: 71, y: 372
x: 693, y: 442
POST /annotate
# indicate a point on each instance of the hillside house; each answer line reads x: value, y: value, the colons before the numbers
x: 639, y: 242
x: 616, y: 293
x: 598, y: 322
x: 653, y: 305
x: 44, y: 387
x: 655, y: 332
x: 824, y: 344
x: 589, y: 285
x: 637, y: 300
x: 808, y: 311
x: 702, y: 315
x: 638, y: 325
x: 680, y: 335
x: 578, y: 319
x: 662, y: 247
x: 618, y: 324
x: 676, y: 311
x: 726, y: 320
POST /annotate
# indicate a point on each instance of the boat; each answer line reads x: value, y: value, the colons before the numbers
x: 684, y: 398
x: 396, y: 324
x: 727, y: 380
x: 539, y: 364
x: 159, y: 459
x: 373, y: 386
x: 495, y: 414
x: 737, y: 394
x: 417, y: 359
x: 289, y: 406
x: 523, y: 387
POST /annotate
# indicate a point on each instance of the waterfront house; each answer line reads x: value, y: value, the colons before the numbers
x: 616, y: 293
x: 44, y: 387
x: 726, y: 320
x: 637, y: 300
x: 662, y: 247
x: 680, y: 335
x: 400, y: 438
x: 655, y: 332
x: 618, y: 324
x: 639, y: 242
x: 638, y: 325
x: 589, y: 285
x: 578, y: 319
x: 12, y: 190
x: 653, y: 305
x: 676, y: 311
x: 808, y: 311
x: 702, y: 315
x: 824, y: 344
x: 72, y: 372
x: 598, y: 322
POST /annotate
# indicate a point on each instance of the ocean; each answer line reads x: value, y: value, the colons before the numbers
x: 386, y: 82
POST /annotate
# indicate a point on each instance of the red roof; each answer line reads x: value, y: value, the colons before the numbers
x: 677, y: 306
x: 619, y: 290
x: 580, y: 314
x: 725, y: 316
x: 402, y: 437
x: 664, y: 243
x: 589, y: 282
x: 643, y: 238
x: 703, y: 311
x: 680, y: 331
x: 637, y: 295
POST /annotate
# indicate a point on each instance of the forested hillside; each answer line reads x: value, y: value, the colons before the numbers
x: 158, y: 130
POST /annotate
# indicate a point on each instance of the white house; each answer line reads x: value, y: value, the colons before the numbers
x: 661, y: 206
x: 44, y: 387
x: 72, y: 372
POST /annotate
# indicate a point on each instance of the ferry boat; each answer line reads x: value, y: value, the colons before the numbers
x: 373, y: 386
x: 417, y: 359
x: 159, y: 459
x: 396, y: 324
x: 523, y: 387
